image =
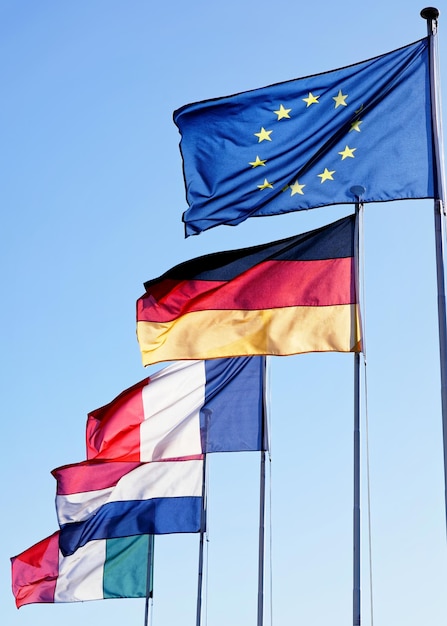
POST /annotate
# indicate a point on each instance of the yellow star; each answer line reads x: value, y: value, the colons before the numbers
x: 347, y: 152
x: 311, y: 99
x: 257, y: 162
x: 264, y: 135
x: 297, y: 188
x: 340, y: 99
x: 282, y: 113
x: 265, y: 184
x: 355, y: 125
x: 326, y: 175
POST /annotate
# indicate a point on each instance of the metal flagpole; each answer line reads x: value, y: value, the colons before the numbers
x: 356, y: 599
x: 261, y: 542
x: 202, y: 533
x: 431, y: 15
x: 358, y: 191
x: 264, y: 441
x: 207, y: 413
x: 149, y: 578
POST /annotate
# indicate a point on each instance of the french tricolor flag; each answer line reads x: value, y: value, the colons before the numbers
x: 186, y: 409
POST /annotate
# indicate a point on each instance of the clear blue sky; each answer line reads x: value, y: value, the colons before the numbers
x: 92, y: 196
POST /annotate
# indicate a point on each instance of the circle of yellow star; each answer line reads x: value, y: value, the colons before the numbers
x: 282, y: 113
x: 296, y: 188
x: 340, y: 99
x: 258, y: 162
x: 311, y: 99
x: 265, y: 185
x: 264, y: 135
x: 326, y: 175
x: 347, y: 152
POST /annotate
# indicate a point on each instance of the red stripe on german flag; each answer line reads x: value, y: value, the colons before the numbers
x: 274, y: 284
x: 285, y: 302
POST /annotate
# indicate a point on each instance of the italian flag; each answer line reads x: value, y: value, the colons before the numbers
x: 107, y: 568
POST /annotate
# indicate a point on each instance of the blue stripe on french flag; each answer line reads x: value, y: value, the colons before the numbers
x: 231, y: 418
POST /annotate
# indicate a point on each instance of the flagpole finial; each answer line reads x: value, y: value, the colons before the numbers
x: 430, y: 13
x: 357, y: 191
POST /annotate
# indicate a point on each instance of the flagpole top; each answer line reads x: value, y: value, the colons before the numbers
x: 430, y: 13
x: 357, y: 191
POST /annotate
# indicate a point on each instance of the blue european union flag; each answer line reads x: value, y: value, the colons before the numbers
x: 305, y: 143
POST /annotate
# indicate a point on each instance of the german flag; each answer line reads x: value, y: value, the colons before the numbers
x: 286, y: 297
